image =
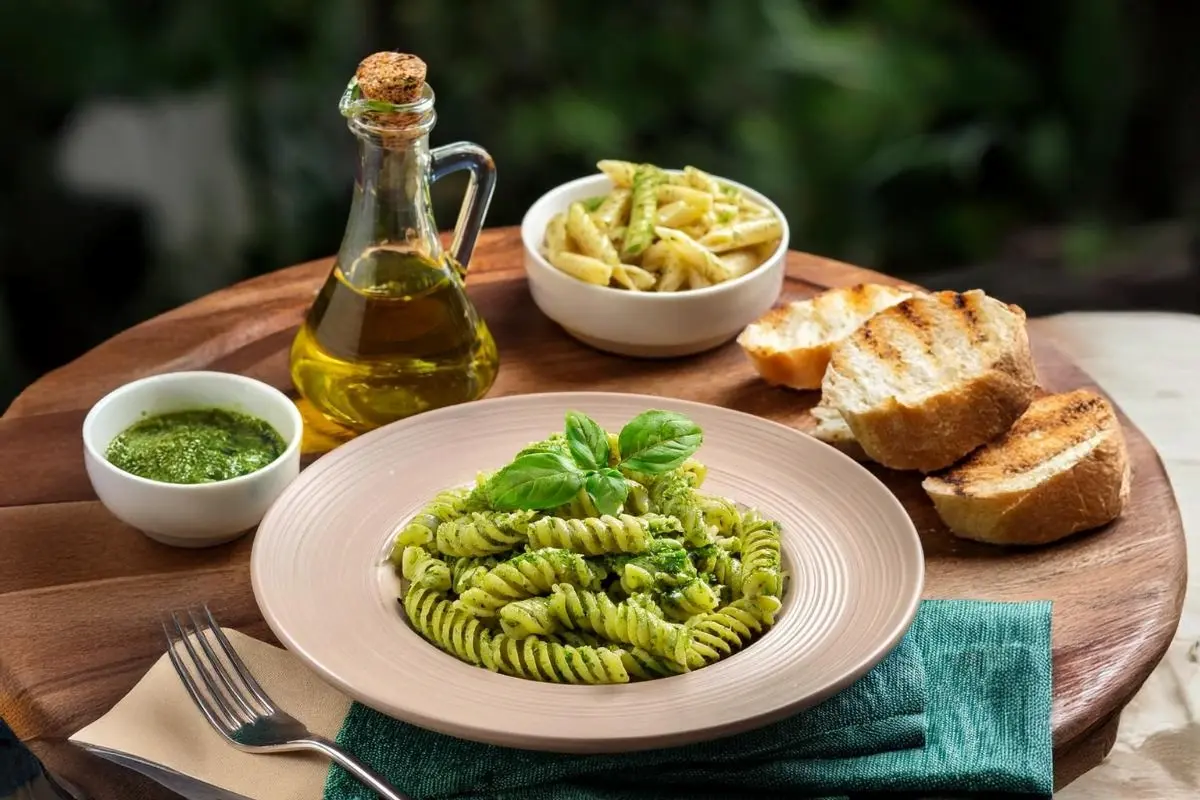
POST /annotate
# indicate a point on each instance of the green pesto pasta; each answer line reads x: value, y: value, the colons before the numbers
x: 673, y: 494
x: 461, y: 635
x: 447, y: 505
x: 530, y: 617
x: 695, y: 597
x: 466, y: 571
x: 597, y: 536
x: 721, y: 514
x: 729, y: 629
x: 483, y: 533
x: 579, y: 563
x: 419, y: 567
x: 760, y: 557
x: 529, y: 575
x: 627, y: 622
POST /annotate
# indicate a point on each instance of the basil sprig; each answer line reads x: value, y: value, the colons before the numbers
x: 651, y: 443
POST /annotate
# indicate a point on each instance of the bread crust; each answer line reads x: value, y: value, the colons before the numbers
x: 1089, y: 493
x: 799, y: 368
x: 946, y: 425
x: 803, y: 367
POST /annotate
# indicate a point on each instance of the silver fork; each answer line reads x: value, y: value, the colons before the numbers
x: 237, y: 707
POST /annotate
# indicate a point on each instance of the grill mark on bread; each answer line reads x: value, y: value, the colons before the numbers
x: 878, y: 345
x: 1053, y: 425
x: 919, y: 323
x: 966, y: 315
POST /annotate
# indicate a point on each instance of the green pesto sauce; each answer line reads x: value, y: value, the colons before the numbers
x: 195, y: 446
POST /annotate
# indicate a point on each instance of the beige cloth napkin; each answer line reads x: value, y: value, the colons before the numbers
x: 158, y: 722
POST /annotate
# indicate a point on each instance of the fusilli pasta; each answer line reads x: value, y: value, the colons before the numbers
x: 552, y: 589
x: 596, y: 536
x: 760, y: 557
x: 627, y: 622
x: 419, y: 567
x: 483, y: 533
x: 529, y: 575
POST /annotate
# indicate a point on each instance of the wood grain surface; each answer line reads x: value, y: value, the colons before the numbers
x: 81, y: 593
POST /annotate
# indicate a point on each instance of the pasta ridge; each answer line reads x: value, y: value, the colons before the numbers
x: 528, y: 575
x: 597, y: 536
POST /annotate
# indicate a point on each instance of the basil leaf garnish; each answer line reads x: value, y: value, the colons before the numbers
x: 587, y: 441
x: 535, y: 481
x: 608, y: 490
x: 656, y: 441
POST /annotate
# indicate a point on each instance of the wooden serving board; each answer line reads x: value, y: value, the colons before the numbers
x: 81, y: 593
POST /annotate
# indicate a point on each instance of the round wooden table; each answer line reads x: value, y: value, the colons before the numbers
x: 81, y: 593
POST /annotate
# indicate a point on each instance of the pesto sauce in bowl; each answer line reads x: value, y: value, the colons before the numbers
x: 195, y: 446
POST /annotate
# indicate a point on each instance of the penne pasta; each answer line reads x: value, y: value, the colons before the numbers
x: 639, y: 233
x: 588, y: 238
x: 633, y: 278
x: 655, y: 257
x: 742, y: 234
x: 613, y: 211
x: 751, y: 208
x: 699, y: 179
x: 766, y: 250
x: 585, y: 268
x: 655, y: 230
x: 697, y: 281
x: 556, y: 234
x: 674, y: 274
x: 725, y: 212
x: 739, y: 262
x: 670, y: 193
x: 695, y: 256
x: 619, y: 172
x: 679, y: 213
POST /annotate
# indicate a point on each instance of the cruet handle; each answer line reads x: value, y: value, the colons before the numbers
x: 473, y: 158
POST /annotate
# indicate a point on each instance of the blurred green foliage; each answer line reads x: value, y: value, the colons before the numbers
x: 902, y: 134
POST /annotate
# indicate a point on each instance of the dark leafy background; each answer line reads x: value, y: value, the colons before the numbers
x: 153, y: 152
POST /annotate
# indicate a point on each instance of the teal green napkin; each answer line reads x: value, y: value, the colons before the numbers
x: 961, y: 705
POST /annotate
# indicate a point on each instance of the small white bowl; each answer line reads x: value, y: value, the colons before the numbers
x: 200, y: 514
x: 645, y: 324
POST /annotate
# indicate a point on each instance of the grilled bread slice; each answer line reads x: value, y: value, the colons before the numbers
x: 925, y: 382
x: 790, y: 345
x: 1061, y: 469
x: 833, y: 430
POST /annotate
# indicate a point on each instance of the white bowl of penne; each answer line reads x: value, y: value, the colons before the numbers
x: 648, y: 262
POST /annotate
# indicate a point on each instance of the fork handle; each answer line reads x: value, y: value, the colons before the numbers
x: 369, y: 777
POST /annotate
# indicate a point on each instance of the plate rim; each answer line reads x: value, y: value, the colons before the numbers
x: 583, y: 743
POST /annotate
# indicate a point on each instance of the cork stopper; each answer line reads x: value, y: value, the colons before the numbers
x: 391, y: 77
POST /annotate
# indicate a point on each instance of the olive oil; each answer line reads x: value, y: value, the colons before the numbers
x: 392, y: 332
x: 391, y: 336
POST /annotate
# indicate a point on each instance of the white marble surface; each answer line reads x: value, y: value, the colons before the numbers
x: 1149, y: 364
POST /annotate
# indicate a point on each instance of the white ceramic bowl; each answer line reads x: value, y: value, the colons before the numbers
x: 645, y: 324
x: 190, y: 515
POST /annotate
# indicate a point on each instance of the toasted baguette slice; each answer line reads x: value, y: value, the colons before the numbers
x: 925, y: 382
x: 833, y: 430
x: 1061, y: 469
x: 790, y: 345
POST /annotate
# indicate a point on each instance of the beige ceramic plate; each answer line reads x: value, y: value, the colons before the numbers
x: 853, y: 554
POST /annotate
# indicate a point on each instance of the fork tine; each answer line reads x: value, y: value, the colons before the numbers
x: 239, y: 697
x: 214, y: 691
x: 216, y: 718
x: 239, y: 666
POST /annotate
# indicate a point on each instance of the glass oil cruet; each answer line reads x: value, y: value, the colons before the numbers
x: 392, y: 332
